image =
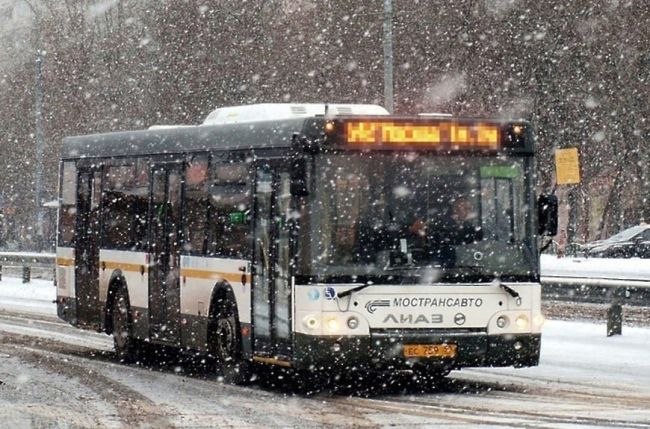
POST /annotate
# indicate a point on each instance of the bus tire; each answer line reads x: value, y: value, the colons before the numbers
x: 122, y: 322
x: 227, y: 345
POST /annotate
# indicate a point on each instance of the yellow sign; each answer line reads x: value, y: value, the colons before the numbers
x: 567, y: 166
x: 480, y: 135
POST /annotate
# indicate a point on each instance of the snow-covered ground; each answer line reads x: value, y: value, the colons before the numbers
x: 583, y: 353
x: 36, y: 296
x: 585, y: 379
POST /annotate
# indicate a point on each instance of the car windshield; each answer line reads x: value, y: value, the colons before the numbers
x: 388, y: 214
x: 626, y: 234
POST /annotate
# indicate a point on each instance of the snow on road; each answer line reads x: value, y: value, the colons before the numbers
x: 34, y: 297
x: 584, y: 378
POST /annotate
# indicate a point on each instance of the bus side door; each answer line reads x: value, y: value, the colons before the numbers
x: 164, y: 239
x: 87, y: 247
x: 271, y: 278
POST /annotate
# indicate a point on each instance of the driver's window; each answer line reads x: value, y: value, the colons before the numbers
x: 344, y: 201
x: 497, y: 209
x: 501, y: 190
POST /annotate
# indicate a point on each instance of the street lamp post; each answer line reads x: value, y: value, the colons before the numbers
x: 388, y: 55
x: 40, y: 146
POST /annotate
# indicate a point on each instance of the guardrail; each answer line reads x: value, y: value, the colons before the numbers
x: 598, y: 280
x: 601, y: 291
x: 27, y: 261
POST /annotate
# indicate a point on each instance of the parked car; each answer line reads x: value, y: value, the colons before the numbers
x: 633, y: 242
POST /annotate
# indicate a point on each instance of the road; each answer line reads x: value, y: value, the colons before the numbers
x: 53, y: 375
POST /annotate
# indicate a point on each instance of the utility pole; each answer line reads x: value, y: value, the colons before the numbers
x: 40, y: 146
x: 38, y: 135
x: 388, y: 55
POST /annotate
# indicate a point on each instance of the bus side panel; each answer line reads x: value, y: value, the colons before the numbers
x: 199, y: 276
x: 65, y: 285
x: 134, y: 268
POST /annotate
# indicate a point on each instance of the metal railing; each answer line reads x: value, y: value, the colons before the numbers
x: 25, y: 262
x: 611, y: 291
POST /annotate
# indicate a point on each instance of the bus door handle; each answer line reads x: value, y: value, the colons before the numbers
x: 243, y: 275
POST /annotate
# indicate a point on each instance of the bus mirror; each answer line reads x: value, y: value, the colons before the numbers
x: 298, y: 177
x: 547, y: 212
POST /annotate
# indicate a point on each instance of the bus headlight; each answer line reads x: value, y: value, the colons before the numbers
x: 310, y: 322
x: 522, y: 322
x: 502, y: 322
x: 333, y: 325
x: 353, y: 322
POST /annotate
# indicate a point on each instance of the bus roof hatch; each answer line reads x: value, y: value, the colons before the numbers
x: 271, y: 111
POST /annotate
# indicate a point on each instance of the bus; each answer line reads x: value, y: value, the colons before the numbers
x: 317, y: 238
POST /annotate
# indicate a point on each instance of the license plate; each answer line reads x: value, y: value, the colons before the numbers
x: 430, y: 350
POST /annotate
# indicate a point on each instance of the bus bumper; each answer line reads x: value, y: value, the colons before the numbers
x: 385, y: 351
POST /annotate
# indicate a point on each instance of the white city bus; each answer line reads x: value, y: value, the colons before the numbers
x: 312, y: 237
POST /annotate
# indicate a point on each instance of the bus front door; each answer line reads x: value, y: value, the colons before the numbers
x: 271, y: 278
x: 164, y: 285
x: 87, y: 247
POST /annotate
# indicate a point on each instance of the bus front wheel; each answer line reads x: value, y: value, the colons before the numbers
x: 123, y: 327
x: 227, y: 346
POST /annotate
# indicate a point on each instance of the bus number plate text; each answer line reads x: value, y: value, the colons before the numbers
x: 430, y: 350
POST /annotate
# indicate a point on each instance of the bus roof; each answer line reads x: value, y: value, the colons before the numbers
x: 245, y: 133
x: 253, y: 135
x: 279, y: 111
x: 254, y: 126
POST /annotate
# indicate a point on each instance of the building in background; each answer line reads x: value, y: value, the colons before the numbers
x: 16, y: 20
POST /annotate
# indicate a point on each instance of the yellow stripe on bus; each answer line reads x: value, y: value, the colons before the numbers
x: 66, y: 262
x: 214, y: 275
x: 123, y: 266
x: 272, y: 361
x: 196, y: 274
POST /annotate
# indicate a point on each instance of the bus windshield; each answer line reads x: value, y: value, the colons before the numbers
x: 449, y: 218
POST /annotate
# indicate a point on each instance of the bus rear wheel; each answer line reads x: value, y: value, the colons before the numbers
x: 123, y: 340
x: 227, y: 347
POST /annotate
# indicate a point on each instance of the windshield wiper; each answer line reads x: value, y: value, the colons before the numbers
x: 354, y: 289
x: 513, y: 293
x: 474, y: 269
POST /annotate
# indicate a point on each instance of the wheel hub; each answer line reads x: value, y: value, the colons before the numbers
x: 225, y: 337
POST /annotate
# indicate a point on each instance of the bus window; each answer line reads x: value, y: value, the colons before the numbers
x: 345, y: 205
x: 67, y: 216
x: 228, y: 228
x: 499, y: 194
x: 196, y: 204
x: 431, y: 211
x: 124, y: 208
